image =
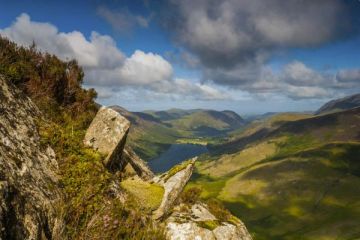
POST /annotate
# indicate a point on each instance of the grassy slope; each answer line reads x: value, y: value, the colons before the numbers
x: 291, y: 185
x: 207, y: 123
x: 88, y: 208
x: 153, y: 132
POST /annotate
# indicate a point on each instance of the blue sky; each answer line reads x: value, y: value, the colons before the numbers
x: 228, y: 55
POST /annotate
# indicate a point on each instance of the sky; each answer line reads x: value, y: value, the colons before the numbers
x: 250, y: 56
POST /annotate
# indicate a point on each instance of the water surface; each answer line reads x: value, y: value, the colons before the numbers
x: 176, y: 154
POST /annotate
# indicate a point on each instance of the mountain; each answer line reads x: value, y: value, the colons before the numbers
x: 298, y: 179
x: 205, y: 123
x: 149, y: 136
x: 171, y: 114
x: 152, y: 132
x: 340, y: 104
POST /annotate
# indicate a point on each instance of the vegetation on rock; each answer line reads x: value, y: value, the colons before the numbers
x: 89, y: 209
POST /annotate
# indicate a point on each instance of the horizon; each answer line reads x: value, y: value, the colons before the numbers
x: 227, y: 56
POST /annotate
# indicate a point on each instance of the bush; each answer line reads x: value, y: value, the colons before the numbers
x: 54, y: 85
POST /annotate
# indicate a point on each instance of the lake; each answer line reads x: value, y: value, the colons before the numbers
x: 176, y: 154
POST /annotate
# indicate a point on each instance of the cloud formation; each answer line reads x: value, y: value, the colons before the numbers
x: 123, y: 21
x: 224, y: 33
x: 106, y: 67
x: 99, y: 51
x: 233, y: 41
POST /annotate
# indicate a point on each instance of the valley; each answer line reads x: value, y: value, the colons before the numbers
x: 180, y: 120
x: 288, y: 176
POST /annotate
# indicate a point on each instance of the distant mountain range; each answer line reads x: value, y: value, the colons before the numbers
x: 152, y: 132
x: 340, y: 104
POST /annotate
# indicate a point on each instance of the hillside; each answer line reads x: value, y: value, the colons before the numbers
x: 153, y: 132
x: 67, y: 172
x: 208, y: 122
x: 149, y: 136
x: 298, y: 180
x: 255, y: 130
x: 340, y: 104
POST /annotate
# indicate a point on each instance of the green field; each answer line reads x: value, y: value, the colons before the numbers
x: 292, y: 184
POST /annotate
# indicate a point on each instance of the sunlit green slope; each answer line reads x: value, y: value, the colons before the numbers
x: 299, y: 180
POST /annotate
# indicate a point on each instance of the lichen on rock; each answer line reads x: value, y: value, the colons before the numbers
x: 107, y: 134
x: 173, y: 186
x: 197, y: 222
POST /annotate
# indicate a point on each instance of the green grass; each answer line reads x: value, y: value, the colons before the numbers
x: 229, y: 163
x: 177, y: 168
x: 148, y: 195
x: 305, y: 190
x: 85, y: 183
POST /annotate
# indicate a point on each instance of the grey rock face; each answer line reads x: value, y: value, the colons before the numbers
x: 173, y: 186
x: 189, y: 224
x: 28, y: 180
x: 137, y: 164
x: 107, y: 133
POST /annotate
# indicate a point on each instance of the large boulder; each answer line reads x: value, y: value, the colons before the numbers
x: 28, y: 182
x: 173, y: 182
x: 197, y: 222
x: 136, y: 164
x: 107, y: 134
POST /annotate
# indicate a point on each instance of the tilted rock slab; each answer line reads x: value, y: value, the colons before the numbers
x: 28, y: 182
x: 173, y: 186
x: 107, y: 134
x: 137, y: 164
x: 186, y: 225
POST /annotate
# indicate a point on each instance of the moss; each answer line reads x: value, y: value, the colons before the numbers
x: 85, y: 183
x: 176, y: 169
x: 211, y: 225
x: 148, y: 195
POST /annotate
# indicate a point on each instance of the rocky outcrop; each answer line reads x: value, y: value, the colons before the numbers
x: 137, y: 164
x: 107, y: 133
x: 173, y: 182
x: 198, y: 223
x: 28, y: 181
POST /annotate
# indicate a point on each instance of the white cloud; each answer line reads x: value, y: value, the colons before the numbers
x: 296, y: 92
x: 348, y: 75
x: 298, y: 74
x: 106, y: 66
x: 98, y: 52
x: 142, y: 68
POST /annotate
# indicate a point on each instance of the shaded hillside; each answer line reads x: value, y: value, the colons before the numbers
x: 171, y: 114
x: 152, y: 132
x: 292, y: 180
x: 254, y: 131
x: 340, y: 104
x: 148, y: 136
x: 207, y: 123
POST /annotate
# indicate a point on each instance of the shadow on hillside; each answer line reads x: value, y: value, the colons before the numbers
x: 305, y: 198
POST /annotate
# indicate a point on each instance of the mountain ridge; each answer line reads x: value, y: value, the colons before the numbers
x: 340, y: 104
